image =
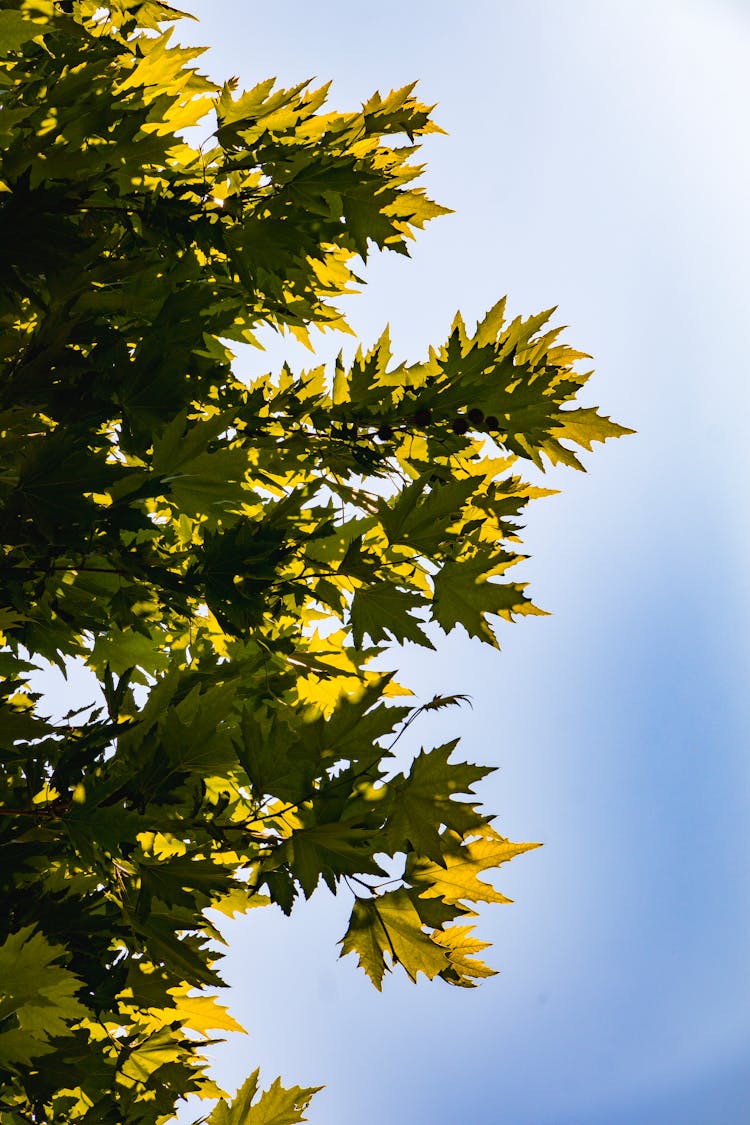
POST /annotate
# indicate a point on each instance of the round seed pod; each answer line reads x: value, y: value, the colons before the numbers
x: 385, y: 432
x: 459, y: 425
x: 491, y: 423
x: 475, y: 416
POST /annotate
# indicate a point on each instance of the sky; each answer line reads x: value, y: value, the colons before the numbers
x: 596, y: 159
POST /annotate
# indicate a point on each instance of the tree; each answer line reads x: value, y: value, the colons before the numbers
x: 228, y: 557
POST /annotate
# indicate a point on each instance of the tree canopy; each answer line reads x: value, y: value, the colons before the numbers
x: 228, y: 556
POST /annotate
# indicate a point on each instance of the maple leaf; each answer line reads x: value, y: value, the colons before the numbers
x: 202, y: 1013
x: 384, y: 611
x: 150, y: 1055
x: 464, y: 595
x: 37, y: 996
x: 331, y: 850
x: 355, y: 724
x: 424, y: 802
x: 456, y: 879
x: 15, y: 30
x: 465, y: 969
x: 388, y: 928
x: 586, y: 425
x: 275, y: 1106
x: 420, y: 518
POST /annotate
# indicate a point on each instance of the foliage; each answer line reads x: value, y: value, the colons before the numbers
x: 227, y: 556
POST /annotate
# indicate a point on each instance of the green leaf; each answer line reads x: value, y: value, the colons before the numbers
x: 384, y: 612
x: 20, y: 723
x: 276, y: 1106
x: 424, y: 802
x: 38, y: 992
x: 156, y: 1051
x: 366, y: 936
x: 121, y: 651
x: 15, y: 30
x: 464, y: 596
x: 280, y: 758
x: 180, y: 880
x: 388, y: 929
x: 419, y: 518
x: 355, y: 725
x: 178, y: 954
x: 331, y: 850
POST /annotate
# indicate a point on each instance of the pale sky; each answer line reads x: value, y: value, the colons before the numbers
x: 597, y: 159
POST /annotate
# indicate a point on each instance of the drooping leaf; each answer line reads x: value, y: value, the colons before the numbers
x: 465, y: 968
x: 386, y: 931
x: 332, y: 850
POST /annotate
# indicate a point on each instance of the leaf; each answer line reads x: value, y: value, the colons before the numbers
x: 491, y: 326
x: 409, y: 945
x: 281, y: 760
x: 331, y: 850
x: 178, y: 954
x: 15, y: 30
x: 456, y: 879
x: 464, y: 969
x: 420, y: 518
x: 20, y: 723
x: 200, y: 480
x: 38, y: 992
x: 389, y: 924
x: 355, y: 725
x: 203, y: 1014
x: 439, y: 701
x: 464, y: 596
x: 9, y: 618
x: 182, y: 881
x: 123, y: 651
x: 385, y: 612
x: 155, y: 1051
x: 423, y: 802
x: 277, y: 1106
x: 584, y: 426
x: 366, y: 937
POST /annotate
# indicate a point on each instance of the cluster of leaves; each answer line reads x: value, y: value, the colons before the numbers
x: 227, y: 556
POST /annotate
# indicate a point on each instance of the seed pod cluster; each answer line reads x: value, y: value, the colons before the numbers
x: 474, y: 418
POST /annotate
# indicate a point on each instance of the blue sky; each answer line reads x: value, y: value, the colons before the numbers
x: 597, y: 159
